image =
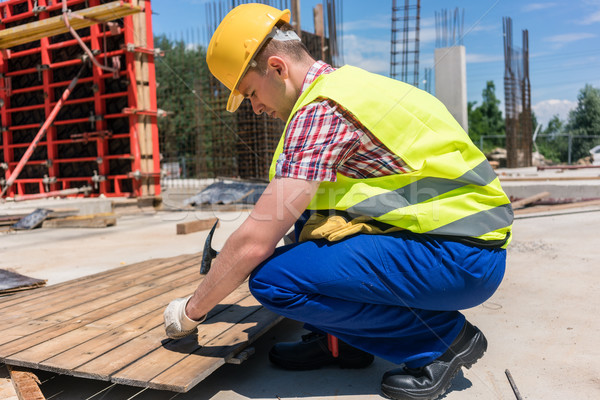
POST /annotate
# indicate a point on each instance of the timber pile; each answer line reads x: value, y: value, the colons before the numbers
x: 109, y: 327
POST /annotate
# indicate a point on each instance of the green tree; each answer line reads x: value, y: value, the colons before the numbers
x: 486, y: 119
x: 550, y: 144
x: 184, y: 90
x: 585, y: 120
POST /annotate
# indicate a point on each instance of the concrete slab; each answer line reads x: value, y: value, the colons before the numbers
x: 562, y: 184
x: 541, y: 324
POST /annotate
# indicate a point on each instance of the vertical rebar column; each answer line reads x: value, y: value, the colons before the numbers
x: 525, y: 120
x: 509, y: 95
x: 517, y: 100
x: 406, y: 47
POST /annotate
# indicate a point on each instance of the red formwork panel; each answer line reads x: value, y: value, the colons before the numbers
x: 105, y: 135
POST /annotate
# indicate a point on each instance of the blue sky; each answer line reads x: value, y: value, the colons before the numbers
x: 564, y: 41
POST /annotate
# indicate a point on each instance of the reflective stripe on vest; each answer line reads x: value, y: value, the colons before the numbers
x: 451, y: 190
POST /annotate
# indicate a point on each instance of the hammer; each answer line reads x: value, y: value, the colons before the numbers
x: 209, y: 253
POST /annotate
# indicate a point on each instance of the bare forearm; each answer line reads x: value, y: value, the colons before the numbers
x: 232, y: 266
x: 278, y: 208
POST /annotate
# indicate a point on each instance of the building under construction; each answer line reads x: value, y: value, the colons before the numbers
x: 78, y: 99
x: 517, y: 99
x: 243, y: 145
x: 78, y: 104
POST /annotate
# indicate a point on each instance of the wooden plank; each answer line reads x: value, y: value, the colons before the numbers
x: 55, y: 301
x: 26, y: 384
x: 91, y: 279
x: 558, y: 207
x: 174, y: 351
x: 7, y: 389
x: 114, y: 316
x: 66, y: 316
x: 101, y: 220
x: 55, y: 25
x: 529, y: 200
x: 202, y: 362
x: 105, y: 365
x: 549, y: 178
x: 118, y: 334
x: 195, y: 226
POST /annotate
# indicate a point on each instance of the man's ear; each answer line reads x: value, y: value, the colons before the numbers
x: 278, y: 65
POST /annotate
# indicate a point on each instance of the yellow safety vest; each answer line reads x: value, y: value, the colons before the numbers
x: 452, y: 190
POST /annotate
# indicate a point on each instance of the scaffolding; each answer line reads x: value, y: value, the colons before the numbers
x: 68, y: 119
x: 404, y: 55
x: 517, y: 100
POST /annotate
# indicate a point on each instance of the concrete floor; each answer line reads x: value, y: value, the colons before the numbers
x: 541, y: 324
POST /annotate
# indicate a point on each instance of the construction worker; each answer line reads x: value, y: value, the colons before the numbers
x: 400, y: 219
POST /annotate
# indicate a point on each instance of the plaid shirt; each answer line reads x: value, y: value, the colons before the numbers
x: 323, y: 138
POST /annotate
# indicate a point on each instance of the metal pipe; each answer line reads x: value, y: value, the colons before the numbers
x: 82, y: 44
x: 41, y: 133
x: 54, y: 193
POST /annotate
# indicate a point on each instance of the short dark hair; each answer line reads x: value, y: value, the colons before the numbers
x: 294, y: 48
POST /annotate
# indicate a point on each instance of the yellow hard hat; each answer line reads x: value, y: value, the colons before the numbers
x: 235, y: 41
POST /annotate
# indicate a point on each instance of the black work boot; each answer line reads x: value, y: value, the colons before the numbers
x: 312, y: 353
x: 434, y: 379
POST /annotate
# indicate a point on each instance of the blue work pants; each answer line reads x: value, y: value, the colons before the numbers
x: 395, y: 296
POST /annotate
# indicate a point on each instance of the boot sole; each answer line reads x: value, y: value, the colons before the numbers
x: 465, y: 359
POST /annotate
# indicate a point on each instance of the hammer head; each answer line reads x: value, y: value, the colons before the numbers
x: 209, y: 253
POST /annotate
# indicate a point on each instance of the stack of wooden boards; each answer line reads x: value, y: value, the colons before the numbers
x: 109, y: 326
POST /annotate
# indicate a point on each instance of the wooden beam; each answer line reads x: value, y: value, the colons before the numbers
x: 296, y: 17
x: 558, y: 207
x: 528, y: 200
x: 194, y: 226
x: 101, y: 220
x: 26, y: 383
x: 55, y: 25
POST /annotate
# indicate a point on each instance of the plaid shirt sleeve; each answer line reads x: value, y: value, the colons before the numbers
x: 318, y: 140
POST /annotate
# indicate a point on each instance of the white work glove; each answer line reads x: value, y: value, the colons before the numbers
x: 177, y: 324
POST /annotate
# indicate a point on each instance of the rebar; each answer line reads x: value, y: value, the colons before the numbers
x: 517, y: 100
x: 407, y: 47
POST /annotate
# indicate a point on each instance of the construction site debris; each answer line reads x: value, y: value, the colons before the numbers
x: 33, y: 220
x: 558, y: 207
x: 228, y: 193
x: 528, y: 200
x: 195, y: 226
x: 102, y: 220
x: 26, y: 383
x: 11, y: 282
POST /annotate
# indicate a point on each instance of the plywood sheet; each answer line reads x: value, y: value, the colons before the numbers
x: 109, y: 326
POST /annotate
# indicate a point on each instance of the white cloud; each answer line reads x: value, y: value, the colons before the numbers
x: 561, y: 40
x: 537, y: 6
x: 591, y: 18
x: 483, y: 58
x: 376, y: 22
x: 369, y: 54
x: 545, y: 110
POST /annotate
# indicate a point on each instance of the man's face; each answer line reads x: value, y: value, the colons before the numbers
x: 270, y: 93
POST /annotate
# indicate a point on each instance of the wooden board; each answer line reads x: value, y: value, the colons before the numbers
x: 195, y: 226
x: 26, y: 384
x: 109, y: 326
x: 55, y: 25
x: 101, y: 220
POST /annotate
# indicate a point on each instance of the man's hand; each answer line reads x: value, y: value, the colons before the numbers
x: 177, y: 324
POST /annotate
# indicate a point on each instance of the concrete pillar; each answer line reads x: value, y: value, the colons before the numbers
x: 451, y: 81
